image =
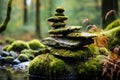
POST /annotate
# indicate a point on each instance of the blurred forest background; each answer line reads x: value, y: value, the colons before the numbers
x: 23, y: 18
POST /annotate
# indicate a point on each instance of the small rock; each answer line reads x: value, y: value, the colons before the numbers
x: 14, y: 54
x: 4, y: 53
x: 16, y: 61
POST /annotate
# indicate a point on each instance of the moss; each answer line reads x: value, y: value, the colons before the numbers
x: 113, y: 24
x: 35, y: 44
x: 59, y: 14
x: 81, y: 35
x: 65, y: 30
x: 31, y: 53
x: 57, y: 19
x: 23, y: 57
x: 58, y: 24
x: 18, y: 46
x: 94, y: 66
x: 9, y: 59
x: 60, y: 9
x: 5, y: 48
x: 47, y: 65
x: 113, y: 42
x: 82, y: 54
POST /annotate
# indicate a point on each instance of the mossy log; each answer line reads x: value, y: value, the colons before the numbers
x: 7, y: 19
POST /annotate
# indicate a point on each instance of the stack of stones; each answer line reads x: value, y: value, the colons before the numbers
x: 62, y: 36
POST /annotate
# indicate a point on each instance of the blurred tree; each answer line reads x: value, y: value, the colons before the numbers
x: 38, y: 18
x: 108, y: 5
x: 7, y: 19
x: 25, y: 12
x: 2, y: 3
x: 97, y: 5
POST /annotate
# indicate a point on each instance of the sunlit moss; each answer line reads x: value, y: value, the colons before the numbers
x: 18, y: 45
x: 30, y: 53
x: 5, y: 47
x: 35, y: 44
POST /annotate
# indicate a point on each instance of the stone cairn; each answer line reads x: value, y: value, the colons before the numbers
x: 62, y: 36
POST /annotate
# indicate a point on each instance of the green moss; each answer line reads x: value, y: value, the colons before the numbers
x: 57, y: 19
x: 9, y: 59
x: 58, y: 24
x: 60, y: 9
x: 18, y: 45
x: 92, y: 68
x: 35, y: 44
x: 82, y: 54
x: 65, y: 30
x: 5, y: 48
x: 113, y: 24
x: 31, y: 53
x: 47, y: 65
x: 23, y: 57
x: 59, y: 14
x: 113, y: 42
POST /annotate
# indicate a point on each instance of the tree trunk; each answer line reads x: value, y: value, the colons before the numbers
x: 2, y: 5
x: 108, y: 5
x: 25, y: 12
x: 38, y: 18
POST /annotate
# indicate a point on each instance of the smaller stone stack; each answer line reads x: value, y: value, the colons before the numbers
x: 59, y: 25
x: 62, y: 36
x: 58, y: 18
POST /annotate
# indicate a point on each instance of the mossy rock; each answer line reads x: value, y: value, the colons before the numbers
x: 32, y: 53
x: 60, y: 9
x: 5, y: 48
x: 46, y: 65
x: 80, y: 55
x: 79, y: 35
x: 9, y: 59
x: 57, y: 18
x: 115, y: 23
x: 59, y: 14
x: 23, y: 57
x: 65, y: 30
x: 113, y: 42
x: 91, y: 69
x: 58, y: 24
x: 35, y: 44
x: 18, y: 46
